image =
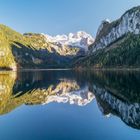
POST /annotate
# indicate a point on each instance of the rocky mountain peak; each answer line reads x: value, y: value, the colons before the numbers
x: 80, y: 39
x: 109, y: 32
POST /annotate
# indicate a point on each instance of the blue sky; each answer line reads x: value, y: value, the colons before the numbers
x: 60, y: 16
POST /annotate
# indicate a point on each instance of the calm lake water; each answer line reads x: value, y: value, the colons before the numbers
x: 68, y: 105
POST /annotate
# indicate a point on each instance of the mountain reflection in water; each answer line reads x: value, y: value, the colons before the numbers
x: 116, y: 93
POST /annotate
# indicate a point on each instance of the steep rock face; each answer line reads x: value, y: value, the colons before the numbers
x: 109, y: 32
x: 116, y: 44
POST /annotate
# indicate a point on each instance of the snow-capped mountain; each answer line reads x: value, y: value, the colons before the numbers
x: 80, y: 39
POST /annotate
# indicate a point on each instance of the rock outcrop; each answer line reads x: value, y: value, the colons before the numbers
x: 109, y: 32
x: 116, y: 44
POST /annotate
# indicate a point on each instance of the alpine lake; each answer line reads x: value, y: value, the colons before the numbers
x: 70, y: 105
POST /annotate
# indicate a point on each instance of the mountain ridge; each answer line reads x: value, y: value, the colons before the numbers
x: 32, y: 50
x: 79, y: 39
x: 116, y: 44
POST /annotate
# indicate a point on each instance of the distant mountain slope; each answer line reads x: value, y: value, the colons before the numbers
x: 117, y: 43
x: 34, y: 51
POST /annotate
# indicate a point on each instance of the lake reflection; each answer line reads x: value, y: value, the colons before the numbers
x: 116, y: 94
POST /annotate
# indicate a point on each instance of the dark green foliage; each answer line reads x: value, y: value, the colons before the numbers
x: 124, y: 53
